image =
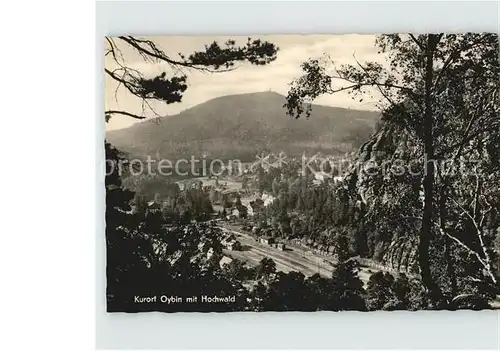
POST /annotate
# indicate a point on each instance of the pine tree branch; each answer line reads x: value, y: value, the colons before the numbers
x: 110, y: 112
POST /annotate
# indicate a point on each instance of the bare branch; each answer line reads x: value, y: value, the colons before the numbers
x: 464, y: 211
x: 384, y: 93
x: 372, y: 83
x: 110, y: 112
x: 485, y: 214
x: 419, y: 44
x: 464, y: 246
x: 486, y: 261
x: 344, y: 88
x: 125, y: 83
x: 477, y: 193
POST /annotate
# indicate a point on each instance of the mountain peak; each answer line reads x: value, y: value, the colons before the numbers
x: 241, y: 125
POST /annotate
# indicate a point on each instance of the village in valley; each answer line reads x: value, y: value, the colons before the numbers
x: 242, y: 209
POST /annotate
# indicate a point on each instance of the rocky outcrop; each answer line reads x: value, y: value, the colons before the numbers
x: 383, y: 194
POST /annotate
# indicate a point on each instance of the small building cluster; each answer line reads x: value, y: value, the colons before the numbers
x: 266, y: 240
x: 318, y: 248
x: 230, y: 243
x: 267, y: 199
x: 280, y: 246
x: 225, y: 260
x: 153, y: 207
x: 322, y: 249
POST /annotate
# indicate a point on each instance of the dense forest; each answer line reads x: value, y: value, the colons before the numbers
x: 441, y: 101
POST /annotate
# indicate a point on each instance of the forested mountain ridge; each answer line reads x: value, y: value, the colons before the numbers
x: 241, y: 126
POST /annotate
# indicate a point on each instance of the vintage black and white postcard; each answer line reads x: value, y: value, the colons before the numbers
x: 302, y: 172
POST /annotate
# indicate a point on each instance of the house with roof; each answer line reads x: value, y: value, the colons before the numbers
x: 228, y: 237
x: 280, y: 246
x: 331, y: 250
x: 250, y: 211
x: 234, y: 245
x: 153, y: 207
x: 256, y: 206
x: 225, y: 260
x: 235, y: 212
x: 239, y: 211
x: 268, y: 199
x: 267, y: 240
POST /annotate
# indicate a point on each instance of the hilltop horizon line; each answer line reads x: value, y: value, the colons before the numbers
x: 261, y: 92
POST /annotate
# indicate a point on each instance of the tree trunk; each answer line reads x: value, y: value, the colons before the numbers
x: 429, y: 173
x: 450, y: 269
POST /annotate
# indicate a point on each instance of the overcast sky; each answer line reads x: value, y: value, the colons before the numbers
x: 294, y: 49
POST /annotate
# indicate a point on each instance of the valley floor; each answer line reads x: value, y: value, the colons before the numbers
x: 293, y: 258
